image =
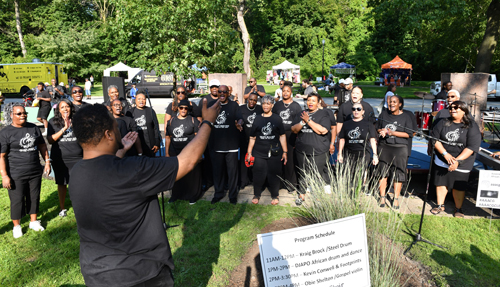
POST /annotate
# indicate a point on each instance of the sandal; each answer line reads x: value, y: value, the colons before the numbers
x: 438, y: 209
x: 255, y: 200
x: 382, y: 205
x: 459, y: 213
x: 301, y: 199
x: 275, y: 201
x: 396, y: 207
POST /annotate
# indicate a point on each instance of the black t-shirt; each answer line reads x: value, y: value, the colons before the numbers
x: 331, y: 115
x: 357, y: 135
x: 66, y: 148
x: 310, y: 142
x: 195, y: 110
x: 267, y: 132
x: 414, y: 127
x: 289, y: 113
x: 209, y: 100
x: 122, y: 239
x: 441, y: 115
x: 455, y: 134
x: 442, y: 95
x: 21, y: 147
x: 44, y: 104
x: 345, y: 111
x: 259, y: 88
x: 395, y: 123
x: 181, y: 132
x: 78, y: 107
x: 225, y: 136
x: 126, y: 124
x: 147, y: 126
x: 248, y: 117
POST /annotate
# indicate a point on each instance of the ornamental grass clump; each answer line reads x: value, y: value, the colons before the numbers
x: 355, y: 190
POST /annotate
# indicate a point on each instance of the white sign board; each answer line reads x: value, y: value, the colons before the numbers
x: 333, y: 254
x: 488, y: 189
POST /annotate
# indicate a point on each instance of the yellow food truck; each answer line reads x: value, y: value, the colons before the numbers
x: 19, y: 78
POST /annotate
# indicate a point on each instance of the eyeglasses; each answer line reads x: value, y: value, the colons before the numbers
x: 453, y: 107
x: 78, y: 92
x: 357, y: 109
x: 20, y: 114
x: 183, y: 108
x: 184, y: 92
x: 223, y: 92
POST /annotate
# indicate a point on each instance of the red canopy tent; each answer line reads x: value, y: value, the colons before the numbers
x: 397, y: 64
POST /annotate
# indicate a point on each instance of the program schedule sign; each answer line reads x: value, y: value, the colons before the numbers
x: 488, y: 189
x: 333, y: 254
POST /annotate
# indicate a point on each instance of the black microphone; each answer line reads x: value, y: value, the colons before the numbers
x: 372, y: 117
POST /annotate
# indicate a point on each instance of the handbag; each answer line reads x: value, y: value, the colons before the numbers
x: 35, y: 103
x: 274, y: 150
x: 249, y: 163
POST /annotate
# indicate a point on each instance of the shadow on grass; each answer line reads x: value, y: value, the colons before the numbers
x: 463, y: 268
x: 197, y: 259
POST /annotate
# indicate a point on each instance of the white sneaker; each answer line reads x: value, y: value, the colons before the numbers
x: 17, y: 231
x: 308, y: 189
x: 44, y: 134
x: 328, y: 189
x: 63, y: 213
x: 35, y: 225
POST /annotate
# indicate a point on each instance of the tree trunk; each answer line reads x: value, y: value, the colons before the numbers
x: 245, y: 37
x: 490, y: 40
x: 19, y: 29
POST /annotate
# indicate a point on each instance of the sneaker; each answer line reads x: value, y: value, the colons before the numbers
x: 17, y: 231
x: 35, y: 225
x: 63, y: 213
x: 191, y: 203
x: 328, y: 189
x: 308, y: 189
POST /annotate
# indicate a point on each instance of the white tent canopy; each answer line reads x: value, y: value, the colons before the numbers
x: 121, y: 67
x: 286, y: 66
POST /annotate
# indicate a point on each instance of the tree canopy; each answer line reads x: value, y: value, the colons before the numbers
x: 171, y: 35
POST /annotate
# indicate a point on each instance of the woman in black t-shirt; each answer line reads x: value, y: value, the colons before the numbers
x: 454, y: 159
x: 289, y: 111
x: 126, y: 124
x: 65, y: 151
x: 147, y: 125
x: 393, y: 128
x: 172, y: 108
x: 313, y: 143
x: 356, y: 137
x: 181, y: 129
x: 268, y: 146
x: 248, y: 111
x: 21, y: 142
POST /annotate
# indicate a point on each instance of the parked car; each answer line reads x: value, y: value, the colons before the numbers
x: 493, y: 87
x: 162, y: 85
x: 435, y: 88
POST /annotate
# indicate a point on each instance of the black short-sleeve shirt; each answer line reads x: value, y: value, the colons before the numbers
x: 331, y: 115
x: 267, y: 132
x: 357, y: 135
x: 310, y: 142
x: 441, y: 115
x: 44, y: 104
x: 398, y: 123
x: 345, y: 111
x: 225, y: 136
x: 209, y: 100
x: 455, y: 134
x: 66, y: 148
x: 21, y: 147
x: 195, y: 110
x: 122, y: 239
x: 181, y: 132
x: 78, y: 107
x: 249, y: 116
x: 259, y: 88
x: 289, y: 113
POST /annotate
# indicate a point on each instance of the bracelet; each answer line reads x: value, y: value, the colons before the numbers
x: 210, y: 124
x: 444, y: 153
x: 375, y: 155
x: 139, y: 154
x: 47, y: 160
x: 285, y: 152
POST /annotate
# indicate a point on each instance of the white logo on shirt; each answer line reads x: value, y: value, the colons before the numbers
x: 285, y: 114
x: 354, y: 134
x: 141, y: 121
x: 267, y: 129
x: 250, y: 119
x: 453, y: 135
x: 391, y: 127
x: 179, y: 131
x: 27, y: 141
x: 221, y: 118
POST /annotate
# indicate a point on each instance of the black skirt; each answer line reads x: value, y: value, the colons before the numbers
x: 61, y: 171
x: 452, y: 180
x: 392, y: 161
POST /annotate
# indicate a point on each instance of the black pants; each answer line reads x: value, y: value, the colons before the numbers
x: 207, y: 175
x: 246, y: 173
x: 225, y: 169
x: 163, y: 279
x: 270, y: 169
x: 289, y: 173
x: 306, y: 162
x: 24, y: 196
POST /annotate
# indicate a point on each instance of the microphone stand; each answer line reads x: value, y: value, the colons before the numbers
x: 418, y: 236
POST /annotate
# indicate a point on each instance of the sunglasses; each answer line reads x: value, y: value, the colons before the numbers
x: 19, y: 114
x: 183, y: 108
x: 250, y: 82
x: 223, y: 92
x: 453, y: 107
x: 181, y: 93
x: 78, y: 92
x: 451, y: 96
x: 357, y: 109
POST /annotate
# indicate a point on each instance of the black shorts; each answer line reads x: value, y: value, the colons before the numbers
x: 61, y: 171
x: 43, y: 112
x: 452, y: 180
x: 392, y: 161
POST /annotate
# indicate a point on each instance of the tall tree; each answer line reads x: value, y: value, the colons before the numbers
x: 245, y: 37
x: 490, y: 40
x: 18, y: 26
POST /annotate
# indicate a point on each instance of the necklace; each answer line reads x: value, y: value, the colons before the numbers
x: 250, y: 108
